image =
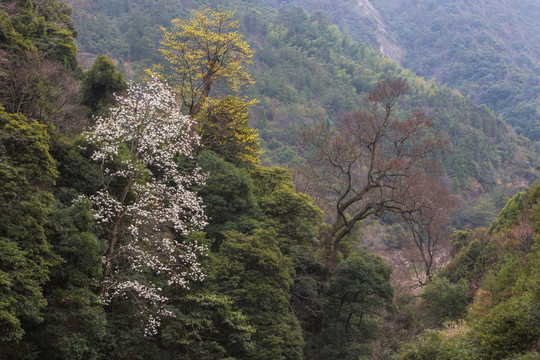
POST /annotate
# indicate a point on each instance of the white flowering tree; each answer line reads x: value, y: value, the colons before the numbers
x: 146, y: 203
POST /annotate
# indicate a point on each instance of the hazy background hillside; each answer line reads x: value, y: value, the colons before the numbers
x: 485, y: 49
x: 308, y: 70
x: 489, y: 51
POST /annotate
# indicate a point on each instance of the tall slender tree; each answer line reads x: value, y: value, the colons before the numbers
x: 146, y: 203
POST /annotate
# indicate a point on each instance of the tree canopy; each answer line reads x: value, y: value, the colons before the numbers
x: 201, y: 52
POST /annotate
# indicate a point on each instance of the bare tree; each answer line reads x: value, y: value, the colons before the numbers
x: 10, y: 7
x: 372, y: 161
x: 522, y: 236
x: 428, y: 220
x: 40, y: 89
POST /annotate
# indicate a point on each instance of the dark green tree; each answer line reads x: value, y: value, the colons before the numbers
x: 358, y: 295
x: 229, y: 197
x: 446, y: 301
x: 207, y: 326
x: 510, y: 327
x: 253, y: 271
x: 74, y: 322
x: 100, y: 83
x: 27, y: 172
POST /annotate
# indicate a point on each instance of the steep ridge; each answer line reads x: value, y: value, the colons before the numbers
x: 387, y: 47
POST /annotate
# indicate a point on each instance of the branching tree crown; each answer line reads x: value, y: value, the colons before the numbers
x: 371, y: 162
x: 201, y: 52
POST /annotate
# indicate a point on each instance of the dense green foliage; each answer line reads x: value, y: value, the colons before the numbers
x: 27, y: 174
x: 499, y: 269
x: 266, y: 291
x: 74, y: 321
x: 359, y: 290
x: 487, y: 50
x: 45, y: 27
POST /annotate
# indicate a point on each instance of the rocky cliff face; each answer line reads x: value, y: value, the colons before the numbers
x: 387, y: 45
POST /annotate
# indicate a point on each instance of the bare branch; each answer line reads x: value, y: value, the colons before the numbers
x: 373, y: 160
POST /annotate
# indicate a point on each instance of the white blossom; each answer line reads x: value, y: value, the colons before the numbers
x: 146, y: 202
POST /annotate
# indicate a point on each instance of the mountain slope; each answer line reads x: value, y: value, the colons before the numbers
x: 492, y: 282
x: 488, y: 50
x: 308, y: 71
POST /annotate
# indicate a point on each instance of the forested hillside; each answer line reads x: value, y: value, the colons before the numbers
x: 492, y: 282
x: 487, y: 50
x: 306, y: 70
x: 147, y: 219
x: 490, y: 51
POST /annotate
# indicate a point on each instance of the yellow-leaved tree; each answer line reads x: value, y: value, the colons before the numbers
x: 197, y: 55
x: 203, y: 51
x: 224, y: 129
